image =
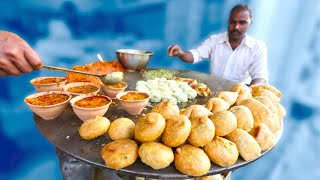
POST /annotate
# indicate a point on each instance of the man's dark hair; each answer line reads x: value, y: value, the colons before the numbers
x: 241, y: 7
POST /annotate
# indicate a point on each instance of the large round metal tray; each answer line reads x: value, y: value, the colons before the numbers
x: 63, y: 131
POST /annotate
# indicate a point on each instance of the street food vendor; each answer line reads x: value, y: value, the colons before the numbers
x: 234, y: 55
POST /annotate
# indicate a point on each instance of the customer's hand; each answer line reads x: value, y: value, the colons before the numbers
x: 16, y: 56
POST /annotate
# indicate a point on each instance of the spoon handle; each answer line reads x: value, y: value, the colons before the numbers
x: 100, y: 57
x: 69, y: 70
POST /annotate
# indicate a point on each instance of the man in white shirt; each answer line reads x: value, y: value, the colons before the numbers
x: 233, y: 55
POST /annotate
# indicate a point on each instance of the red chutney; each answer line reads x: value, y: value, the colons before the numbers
x: 48, y: 99
x: 92, y: 102
x: 49, y: 80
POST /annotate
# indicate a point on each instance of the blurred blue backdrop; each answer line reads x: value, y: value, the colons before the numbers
x: 68, y: 33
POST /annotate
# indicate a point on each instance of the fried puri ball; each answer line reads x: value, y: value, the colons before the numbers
x: 217, y: 104
x: 274, y: 90
x: 202, y: 131
x: 242, y: 97
x: 94, y: 127
x: 121, y: 128
x: 212, y: 177
x: 262, y: 134
x: 269, y: 94
x: 267, y: 102
x: 224, y: 121
x: 261, y: 114
x: 244, y: 92
x: 195, y: 111
x: 248, y: 147
x: 229, y: 96
x: 120, y: 153
x: 221, y: 151
x: 176, y: 131
x: 244, y: 117
x: 270, y: 105
x: 191, y: 160
x: 166, y: 109
x: 156, y: 155
x: 240, y: 88
x: 149, y: 127
x: 281, y: 110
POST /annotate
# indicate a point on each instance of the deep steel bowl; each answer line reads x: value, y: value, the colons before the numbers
x: 133, y: 59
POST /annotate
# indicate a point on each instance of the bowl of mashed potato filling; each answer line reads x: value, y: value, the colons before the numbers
x: 89, y: 106
x: 48, y: 105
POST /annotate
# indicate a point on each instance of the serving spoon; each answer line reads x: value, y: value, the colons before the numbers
x: 107, y: 79
x: 100, y: 57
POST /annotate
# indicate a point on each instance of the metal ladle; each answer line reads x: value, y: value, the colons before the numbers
x: 107, y: 79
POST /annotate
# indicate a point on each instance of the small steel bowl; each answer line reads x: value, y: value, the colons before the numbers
x: 134, y: 60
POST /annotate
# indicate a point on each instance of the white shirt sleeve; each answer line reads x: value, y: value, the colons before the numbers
x: 203, y: 51
x: 259, y: 66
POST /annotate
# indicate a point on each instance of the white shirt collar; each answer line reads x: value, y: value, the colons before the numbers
x: 247, y: 40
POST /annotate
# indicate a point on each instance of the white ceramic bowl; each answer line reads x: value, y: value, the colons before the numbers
x: 79, y: 84
x: 53, y: 86
x: 87, y: 113
x: 133, y: 107
x: 48, y: 112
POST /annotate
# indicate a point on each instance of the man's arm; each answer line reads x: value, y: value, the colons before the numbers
x: 16, y: 56
x: 194, y: 55
x: 176, y: 51
x: 258, y: 81
x: 259, y: 68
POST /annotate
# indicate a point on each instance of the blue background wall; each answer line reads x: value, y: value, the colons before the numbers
x: 68, y: 33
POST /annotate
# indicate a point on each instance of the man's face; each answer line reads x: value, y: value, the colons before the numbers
x: 239, y: 22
